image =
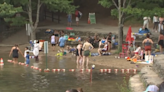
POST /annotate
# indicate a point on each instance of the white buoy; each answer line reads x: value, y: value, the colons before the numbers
x: 93, y: 66
x: 123, y: 70
x: 127, y: 70
x: 116, y: 70
x: 109, y: 70
x: 63, y: 70
x: 101, y: 70
x: 72, y: 70
x: 105, y: 70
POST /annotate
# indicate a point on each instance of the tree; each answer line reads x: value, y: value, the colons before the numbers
x: 126, y: 9
x: 9, y: 13
x: 31, y: 6
x: 119, y: 4
x: 61, y: 5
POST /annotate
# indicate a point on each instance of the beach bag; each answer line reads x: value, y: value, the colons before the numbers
x: 79, y: 14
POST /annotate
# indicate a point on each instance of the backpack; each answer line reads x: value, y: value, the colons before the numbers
x: 79, y: 14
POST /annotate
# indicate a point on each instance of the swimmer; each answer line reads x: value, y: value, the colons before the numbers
x: 15, y: 50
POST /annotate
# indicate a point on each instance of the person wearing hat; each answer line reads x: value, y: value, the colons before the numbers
x: 152, y: 88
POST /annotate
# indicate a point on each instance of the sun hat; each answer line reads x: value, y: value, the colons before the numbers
x: 152, y: 88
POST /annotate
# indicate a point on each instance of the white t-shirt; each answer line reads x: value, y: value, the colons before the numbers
x: 53, y: 39
x: 155, y: 19
x: 36, y: 49
x: 138, y: 49
x: 25, y: 52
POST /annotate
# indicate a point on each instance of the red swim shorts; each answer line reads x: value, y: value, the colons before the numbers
x: 147, y: 48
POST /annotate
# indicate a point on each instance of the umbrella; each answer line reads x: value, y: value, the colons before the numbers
x: 129, y: 35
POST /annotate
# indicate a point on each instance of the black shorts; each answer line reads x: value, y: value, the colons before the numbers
x: 53, y: 44
x: 56, y: 35
x: 61, y: 46
x: 15, y: 56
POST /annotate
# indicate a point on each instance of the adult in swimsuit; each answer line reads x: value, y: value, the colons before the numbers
x: 87, y: 47
x: 147, y: 44
x: 15, y: 50
x: 56, y: 33
x: 161, y: 41
x: 79, y: 53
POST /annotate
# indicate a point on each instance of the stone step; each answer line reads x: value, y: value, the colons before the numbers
x: 135, y: 84
x: 158, y: 65
x: 150, y: 77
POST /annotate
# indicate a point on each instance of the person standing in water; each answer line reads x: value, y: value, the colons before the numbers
x: 15, y: 50
x: 25, y: 53
x: 53, y: 42
x: 79, y: 54
x: 36, y: 50
x: 27, y: 58
x: 86, y: 47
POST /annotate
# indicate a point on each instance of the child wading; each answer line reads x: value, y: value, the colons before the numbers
x: 27, y: 58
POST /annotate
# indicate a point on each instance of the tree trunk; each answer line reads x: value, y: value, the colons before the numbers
x: 32, y: 24
x: 33, y: 35
x: 120, y: 26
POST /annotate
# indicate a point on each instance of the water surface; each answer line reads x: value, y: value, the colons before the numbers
x: 18, y: 78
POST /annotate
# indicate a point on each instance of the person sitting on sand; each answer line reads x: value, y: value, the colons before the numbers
x: 137, y: 52
x: 130, y: 51
x: 102, y: 42
x: 78, y: 38
x: 100, y: 50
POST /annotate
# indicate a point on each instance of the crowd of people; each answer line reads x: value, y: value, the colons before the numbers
x: 158, y: 22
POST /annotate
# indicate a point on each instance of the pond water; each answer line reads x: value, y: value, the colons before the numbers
x: 18, y: 78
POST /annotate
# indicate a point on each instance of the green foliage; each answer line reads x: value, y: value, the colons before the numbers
x: 105, y: 3
x: 61, y: 5
x: 8, y: 10
x: 16, y: 21
x: 136, y: 8
x: 11, y: 7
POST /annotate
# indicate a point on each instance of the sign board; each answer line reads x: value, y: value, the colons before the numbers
x: 45, y: 46
x: 92, y: 18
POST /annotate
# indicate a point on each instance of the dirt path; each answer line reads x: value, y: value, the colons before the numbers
x: 18, y: 38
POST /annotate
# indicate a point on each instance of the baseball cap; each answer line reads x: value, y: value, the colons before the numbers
x: 152, y: 88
